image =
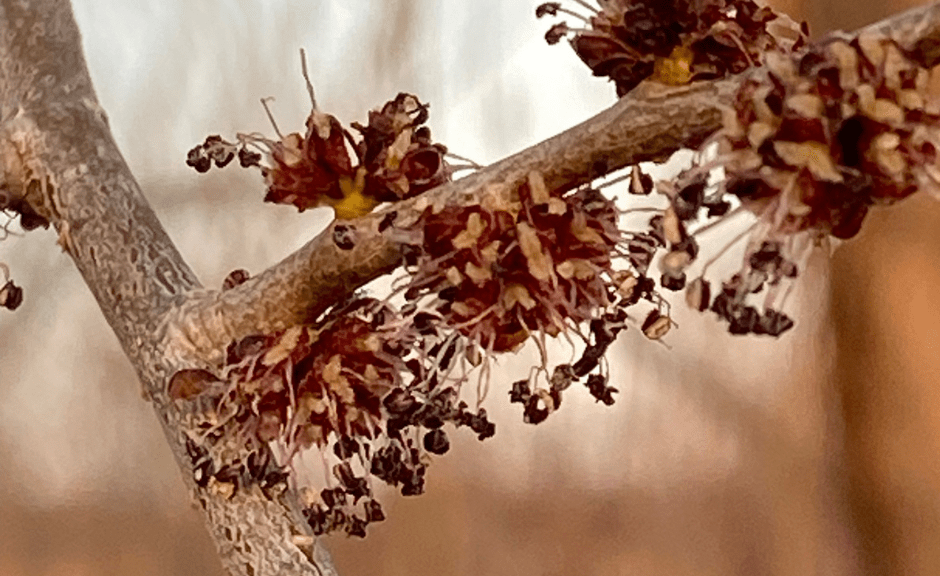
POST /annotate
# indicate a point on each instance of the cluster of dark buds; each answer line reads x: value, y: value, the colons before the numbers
x: 330, y: 514
x: 216, y: 151
x: 359, y: 386
x: 671, y: 41
x: 395, y: 159
x: 375, y: 388
x: 539, y: 402
x: 256, y: 467
x: 810, y: 145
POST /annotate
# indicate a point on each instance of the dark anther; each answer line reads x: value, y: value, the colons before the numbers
x: 194, y: 451
x: 399, y: 401
x: 317, y: 519
x: 272, y: 479
x: 202, y: 473
x: 413, y: 480
x: 562, y: 377
x: 673, y: 282
x: 690, y: 199
x: 547, y: 9
x: 426, y: 323
x: 11, y: 296
x: 651, y: 319
x: 258, y: 464
x: 520, y: 392
x: 374, y: 511
x: 356, y: 527
x: 436, y: 442
x: 556, y: 33
x: 345, y: 447
x: 387, y: 221
x: 29, y: 218
x: 535, y: 410
x: 597, y: 386
x: 222, y: 157
x: 640, y: 182
x: 588, y: 360
x: 430, y: 417
x: 196, y: 158
x: 744, y: 320
x: 229, y: 475
x: 444, y: 359
x: 717, y: 208
x: 773, y: 323
x: 656, y: 230
x: 698, y: 294
x: 338, y: 520
x: 248, y: 158
x: 767, y: 258
x: 479, y: 424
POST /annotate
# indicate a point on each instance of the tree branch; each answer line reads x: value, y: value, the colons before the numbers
x: 640, y: 127
x: 648, y: 124
x: 57, y: 153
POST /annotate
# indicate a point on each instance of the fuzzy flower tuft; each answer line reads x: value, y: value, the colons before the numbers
x: 672, y: 41
x: 811, y: 145
x: 358, y: 387
x: 500, y: 271
x: 395, y: 158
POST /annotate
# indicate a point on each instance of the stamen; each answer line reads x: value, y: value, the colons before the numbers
x: 585, y: 5
x: 264, y: 102
x: 575, y: 14
x: 303, y: 67
x: 721, y: 220
x: 463, y: 159
x: 727, y: 247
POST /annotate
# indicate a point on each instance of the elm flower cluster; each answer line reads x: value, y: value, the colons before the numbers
x: 357, y: 387
x: 501, y: 270
x: 532, y: 263
x: 671, y: 41
x: 810, y: 145
x: 395, y: 158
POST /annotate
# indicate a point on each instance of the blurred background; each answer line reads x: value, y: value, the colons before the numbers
x: 812, y: 454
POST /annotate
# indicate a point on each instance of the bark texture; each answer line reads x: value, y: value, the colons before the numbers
x: 57, y: 153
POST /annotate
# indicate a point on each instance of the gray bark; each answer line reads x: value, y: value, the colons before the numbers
x: 57, y: 152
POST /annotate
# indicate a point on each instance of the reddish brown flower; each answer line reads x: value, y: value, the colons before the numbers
x: 501, y: 271
x: 828, y: 132
x: 395, y: 158
x: 672, y: 41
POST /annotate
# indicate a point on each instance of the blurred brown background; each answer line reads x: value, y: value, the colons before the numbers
x: 814, y: 454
